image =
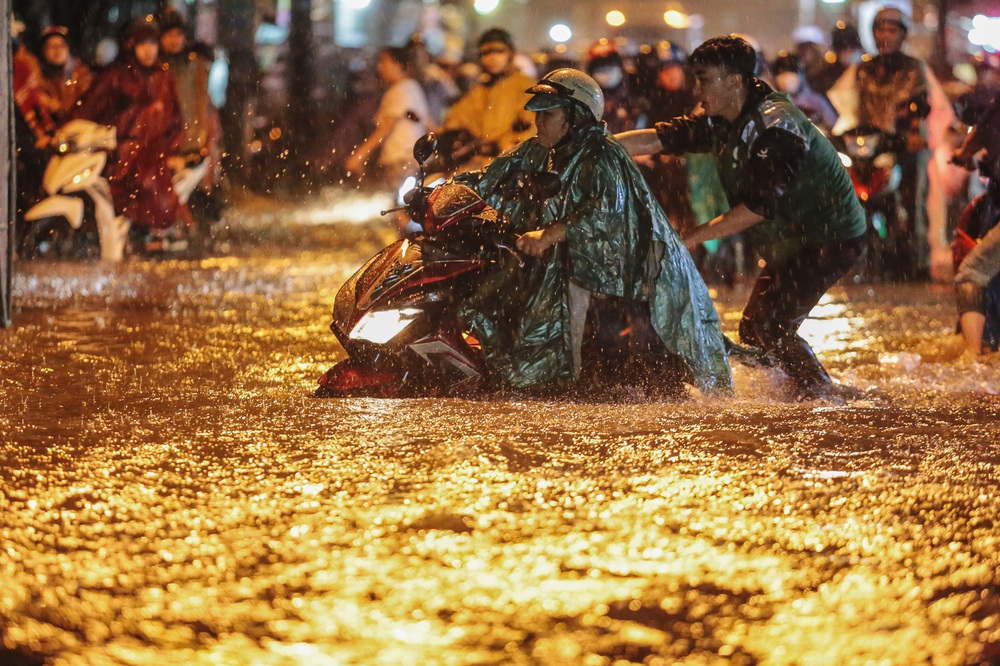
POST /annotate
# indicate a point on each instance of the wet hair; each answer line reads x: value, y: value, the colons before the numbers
x: 400, y: 54
x: 786, y: 62
x: 496, y: 35
x: 845, y: 37
x: 734, y: 55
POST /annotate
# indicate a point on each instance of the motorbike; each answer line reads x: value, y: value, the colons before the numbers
x: 396, y: 317
x: 870, y: 157
x: 57, y: 225
x: 77, y: 218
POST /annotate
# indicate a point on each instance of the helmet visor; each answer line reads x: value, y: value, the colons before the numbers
x: 548, y: 95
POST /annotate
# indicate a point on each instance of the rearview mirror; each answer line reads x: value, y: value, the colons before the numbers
x: 425, y: 147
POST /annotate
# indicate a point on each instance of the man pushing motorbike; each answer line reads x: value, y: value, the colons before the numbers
x: 601, y: 254
x: 787, y: 190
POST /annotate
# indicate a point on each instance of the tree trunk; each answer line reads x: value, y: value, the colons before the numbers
x: 301, y: 109
x: 237, y: 24
x: 7, y: 174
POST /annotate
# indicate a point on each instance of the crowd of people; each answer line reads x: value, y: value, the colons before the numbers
x: 673, y: 168
x: 155, y: 95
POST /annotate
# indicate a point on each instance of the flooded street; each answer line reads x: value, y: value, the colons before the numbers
x: 170, y: 492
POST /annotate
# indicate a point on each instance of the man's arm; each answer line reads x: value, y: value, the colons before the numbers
x: 640, y: 142
x: 677, y: 136
x: 737, y: 219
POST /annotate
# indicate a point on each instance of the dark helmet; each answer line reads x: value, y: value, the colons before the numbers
x: 171, y: 19
x: 140, y: 30
x: 786, y: 62
x: 604, y: 55
x: 845, y: 37
x: 54, y: 31
x: 496, y: 36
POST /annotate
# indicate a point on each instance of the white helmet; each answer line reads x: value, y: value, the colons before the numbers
x: 558, y: 86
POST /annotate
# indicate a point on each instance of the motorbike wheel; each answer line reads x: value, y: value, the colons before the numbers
x: 48, y: 238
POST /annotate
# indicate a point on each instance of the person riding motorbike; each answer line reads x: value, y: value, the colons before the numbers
x: 65, y: 79
x: 606, y: 65
x: 897, y: 94
x: 139, y: 98
x: 789, y: 77
x: 977, y: 270
x: 600, y: 246
x: 202, y: 134
x: 490, y: 118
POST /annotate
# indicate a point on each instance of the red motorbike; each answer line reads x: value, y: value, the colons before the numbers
x: 870, y: 157
x: 397, y: 316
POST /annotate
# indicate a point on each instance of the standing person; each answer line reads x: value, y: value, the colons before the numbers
x: 138, y: 97
x: 33, y: 125
x: 896, y: 93
x: 493, y: 111
x: 667, y: 175
x: 440, y: 89
x: 810, y: 48
x: 975, y: 277
x: 845, y: 44
x: 789, y: 77
x: 607, y: 67
x: 190, y: 70
x: 401, y: 119
x: 202, y: 133
x: 65, y: 79
x: 787, y: 190
x: 601, y: 246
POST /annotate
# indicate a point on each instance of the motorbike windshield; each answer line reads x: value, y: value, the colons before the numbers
x: 453, y: 201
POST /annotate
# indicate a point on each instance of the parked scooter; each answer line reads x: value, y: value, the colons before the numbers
x: 870, y: 157
x: 57, y: 226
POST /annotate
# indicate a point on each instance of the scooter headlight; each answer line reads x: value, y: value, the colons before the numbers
x: 381, y: 326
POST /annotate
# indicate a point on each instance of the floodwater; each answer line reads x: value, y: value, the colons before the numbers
x: 171, y: 494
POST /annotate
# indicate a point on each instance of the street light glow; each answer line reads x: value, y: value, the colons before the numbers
x: 356, y: 4
x: 676, y: 19
x: 615, y: 18
x: 560, y: 32
x: 985, y: 32
x: 485, y: 6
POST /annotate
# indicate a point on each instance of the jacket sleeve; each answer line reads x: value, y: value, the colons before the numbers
x: 99, y: 102
x: 685, y: 134
x: 776, y: 158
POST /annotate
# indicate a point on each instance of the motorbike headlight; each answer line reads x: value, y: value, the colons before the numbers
x: 63, y: 147
x: 380, y: 326
x: 845, y: 160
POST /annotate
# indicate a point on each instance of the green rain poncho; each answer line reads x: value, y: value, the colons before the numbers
x: 618, y: 242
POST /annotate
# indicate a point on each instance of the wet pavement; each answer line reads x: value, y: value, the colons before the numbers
x: 171, y: 494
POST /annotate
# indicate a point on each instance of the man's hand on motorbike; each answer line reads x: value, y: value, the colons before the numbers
x: 536, y: 243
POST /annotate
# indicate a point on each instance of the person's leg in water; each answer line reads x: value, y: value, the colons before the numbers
x: 782, y: 298
x: 976, y: 271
